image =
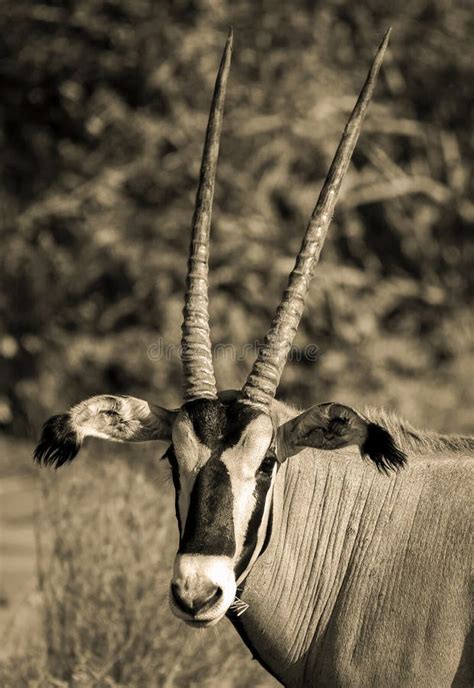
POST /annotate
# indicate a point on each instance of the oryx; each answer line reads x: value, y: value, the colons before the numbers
x: 353, y: 576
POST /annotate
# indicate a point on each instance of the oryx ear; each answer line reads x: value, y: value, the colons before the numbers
x: 332, y: 426
x: 116, y: 418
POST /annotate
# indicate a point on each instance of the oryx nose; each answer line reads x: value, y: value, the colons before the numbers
x: 191, y: 602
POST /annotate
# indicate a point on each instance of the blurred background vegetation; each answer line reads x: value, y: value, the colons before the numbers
x: 104, y: 107
x: 103, y: 112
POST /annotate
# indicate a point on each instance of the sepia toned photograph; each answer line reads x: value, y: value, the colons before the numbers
x: 236, y: 344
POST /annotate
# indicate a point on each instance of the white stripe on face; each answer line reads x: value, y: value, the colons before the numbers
x: 192, y: 456
x: 243, y: 461
x: 261, y: 535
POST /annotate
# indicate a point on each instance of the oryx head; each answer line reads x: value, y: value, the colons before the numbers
x: 226, y: 448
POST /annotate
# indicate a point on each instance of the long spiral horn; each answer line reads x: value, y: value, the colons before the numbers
x: 196, y: 354
x: 262, y: 383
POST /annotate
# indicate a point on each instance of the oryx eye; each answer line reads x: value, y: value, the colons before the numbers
x: 268, y: 462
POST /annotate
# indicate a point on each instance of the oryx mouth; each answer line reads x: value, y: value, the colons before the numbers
x: 202, y: 589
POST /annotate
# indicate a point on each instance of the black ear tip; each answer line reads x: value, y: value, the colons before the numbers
x: 382, y: 450
x: 59, y: 442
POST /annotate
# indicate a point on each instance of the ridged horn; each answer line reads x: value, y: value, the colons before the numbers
x: 262, y: 383
x: 196, y: 354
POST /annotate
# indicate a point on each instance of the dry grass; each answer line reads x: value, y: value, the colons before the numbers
x: 106, y: 537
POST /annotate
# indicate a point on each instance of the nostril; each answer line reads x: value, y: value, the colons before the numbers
x: 217, y: 595
x: 192, y: 603
x: 175, y: 592
x: 207, y: 598
x: 182, y: 603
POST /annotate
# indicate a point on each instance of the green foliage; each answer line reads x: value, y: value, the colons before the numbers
x: 104, y: 107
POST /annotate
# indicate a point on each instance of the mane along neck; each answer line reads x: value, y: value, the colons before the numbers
x: 408, y: 437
